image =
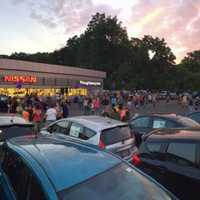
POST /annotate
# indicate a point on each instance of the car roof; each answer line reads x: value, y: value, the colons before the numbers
x: 175, y: 134
x: 66, y: 163
x: 10, y: 120
x: 171, y: 116
x: 97, y: 122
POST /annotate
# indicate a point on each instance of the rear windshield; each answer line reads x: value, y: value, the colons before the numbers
x: 121, y: 183
x: 15, y: 131
x: 116, y: 134
x: 187, y: 122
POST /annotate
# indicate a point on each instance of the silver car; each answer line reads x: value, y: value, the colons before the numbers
x: 106, y: 133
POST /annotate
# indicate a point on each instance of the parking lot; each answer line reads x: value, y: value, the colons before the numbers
x: 161, y: 107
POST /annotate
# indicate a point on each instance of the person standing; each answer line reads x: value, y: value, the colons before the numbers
x: 25, y: 114
x: 14, y: 105
x: 184, y: 101
x: 113, y: 101
x: 85, y: 106
x: 190, y: 105
x: 37, y: 117
x: 51, y: 114
x: 65, y: 110
x: 154, y: 99
x: 80, y: 102
x: 96, y: 105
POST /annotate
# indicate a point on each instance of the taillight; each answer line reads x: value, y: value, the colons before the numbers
x: 101, y: 144
x: 136, y: 160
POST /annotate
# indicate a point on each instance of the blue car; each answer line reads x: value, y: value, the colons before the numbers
x: 46, y: 168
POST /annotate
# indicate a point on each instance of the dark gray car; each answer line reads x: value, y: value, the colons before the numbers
x: 143, y: 124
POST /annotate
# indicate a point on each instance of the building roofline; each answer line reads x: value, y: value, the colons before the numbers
x: 20, y: 65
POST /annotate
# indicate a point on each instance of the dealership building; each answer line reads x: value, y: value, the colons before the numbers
x: 18, y: 78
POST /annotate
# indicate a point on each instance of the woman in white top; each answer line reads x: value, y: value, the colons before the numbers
x: 51, y: 115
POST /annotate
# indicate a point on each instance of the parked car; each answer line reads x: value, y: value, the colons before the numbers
x: 173, y: 95
x: 194, y: 116
x: 162, y: 95
x: 14, y: 126
x: 46, y: 168
x: 172, y: 157
x: 103, y: 132
x: 143, y: 124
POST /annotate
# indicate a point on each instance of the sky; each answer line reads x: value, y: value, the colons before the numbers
x: 45, y: 25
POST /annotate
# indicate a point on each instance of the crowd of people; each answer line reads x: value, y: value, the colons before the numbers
x: 119, y: 105
x: 47, y: 109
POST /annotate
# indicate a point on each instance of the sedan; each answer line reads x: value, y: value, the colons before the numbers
x: 143, y: 124
x: 47, y: 168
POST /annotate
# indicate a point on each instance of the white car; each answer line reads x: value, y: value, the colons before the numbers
x: 104, y: 132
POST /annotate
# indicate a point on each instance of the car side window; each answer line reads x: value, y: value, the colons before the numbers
x: 171, y: 124
x: 60, y: 127
x: 21, y: 179
x: 154, y: 147
x: 159, y: 123
x: 151, y: 150
x: 142, y: 122
x: 182, y: 153
x: 76, y: 130
x: 87, y: 134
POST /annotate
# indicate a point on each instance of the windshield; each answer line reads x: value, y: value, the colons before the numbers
x: 119, y: 183
x: 187, y: 122
x: 116, y: 134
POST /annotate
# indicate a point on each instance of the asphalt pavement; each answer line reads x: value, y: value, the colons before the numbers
x: 161, y: 107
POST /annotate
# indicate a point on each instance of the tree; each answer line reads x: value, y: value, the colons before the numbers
x: 159, y: 66
x: 189, y: 71
x: 105, y: 45
x: 192, y: 61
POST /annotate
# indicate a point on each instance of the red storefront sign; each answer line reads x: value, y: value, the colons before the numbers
x: 20, y: 79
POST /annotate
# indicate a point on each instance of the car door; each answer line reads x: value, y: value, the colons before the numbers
x: 6, y: 192
x: 182, y: 164
x: 152, y: 160
x: 140, y: 126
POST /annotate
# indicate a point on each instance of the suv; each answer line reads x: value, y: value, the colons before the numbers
x: 43, y: 168
x: 103, y: 132
x: 172, y: 157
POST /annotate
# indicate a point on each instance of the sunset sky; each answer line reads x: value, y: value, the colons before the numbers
x: 45, y: 25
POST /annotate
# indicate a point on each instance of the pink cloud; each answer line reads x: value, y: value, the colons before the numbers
x: 177, y: 21
x: 72, y: 15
